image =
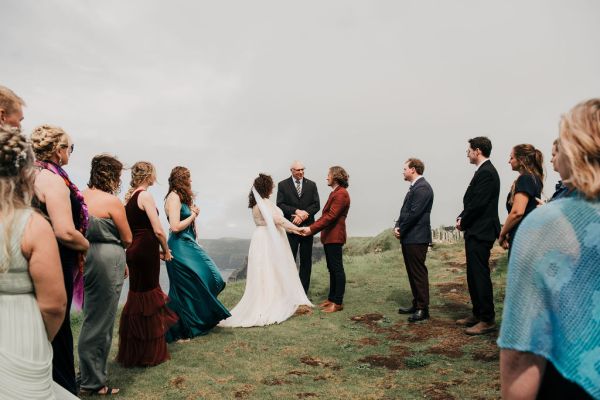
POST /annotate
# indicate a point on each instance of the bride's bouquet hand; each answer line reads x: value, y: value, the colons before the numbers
x: 166, y: 255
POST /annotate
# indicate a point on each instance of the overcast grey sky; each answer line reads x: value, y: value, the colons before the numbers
x: 233, y: 88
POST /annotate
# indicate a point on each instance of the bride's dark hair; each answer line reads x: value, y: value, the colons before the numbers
x: 263, y: 185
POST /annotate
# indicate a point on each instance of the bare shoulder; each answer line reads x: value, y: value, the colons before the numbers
x: 46, y: 178
x: 37, y: 227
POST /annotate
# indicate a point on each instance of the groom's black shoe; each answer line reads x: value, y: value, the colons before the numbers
x: 419, y: 315
x: 407, y: 310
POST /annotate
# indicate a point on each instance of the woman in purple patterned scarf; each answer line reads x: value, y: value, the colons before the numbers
x: 60, y: 200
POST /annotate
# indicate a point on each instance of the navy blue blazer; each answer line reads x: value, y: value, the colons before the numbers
x: 414, y: 221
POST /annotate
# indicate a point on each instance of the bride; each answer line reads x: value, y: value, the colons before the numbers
x: 273, y: 290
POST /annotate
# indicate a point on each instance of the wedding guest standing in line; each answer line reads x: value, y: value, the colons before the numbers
x: 33, y: 300
x: 145, y: 318
x: 332, y: 226
x: 529, y: 163
x: 479, y: 220
x: 560, y: 190
x: 550, y: 338
x: 194, y: 279
x: 413, y: 228
x: 105, y: 269
x: 11, y: 108
x: 57, y: 197
x: 299, y: 199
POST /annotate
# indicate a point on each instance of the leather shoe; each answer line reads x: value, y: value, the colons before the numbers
x: 325, y: 303
x: 407, y: 310
x: 468, y: 322
x: 481, y: 328
x: 419, y: 315
x: 333, y: 308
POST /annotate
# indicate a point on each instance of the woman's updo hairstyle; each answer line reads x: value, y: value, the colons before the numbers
x: 141, y: 172
x: 263, y: 185
x: 46, y: 139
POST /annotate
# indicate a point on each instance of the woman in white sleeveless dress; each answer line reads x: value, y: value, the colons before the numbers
x: 273, y: 289
x: 32, y: 294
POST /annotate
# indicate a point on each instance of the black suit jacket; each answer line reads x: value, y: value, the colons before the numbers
x: 289, y: 202
x: 414, y: 221
x: 479, y: 218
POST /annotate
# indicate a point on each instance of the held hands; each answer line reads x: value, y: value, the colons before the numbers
x: 458, y: 224
x: 304, y: 231
x: 503, y: 241
x: 166, y: 255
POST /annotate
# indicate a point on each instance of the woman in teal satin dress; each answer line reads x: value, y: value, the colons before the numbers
x: 195, y: 280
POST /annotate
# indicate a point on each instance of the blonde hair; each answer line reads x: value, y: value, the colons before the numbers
x: 141, y: 172
x: 16, y: 183
x: 46, y: 139
x: 580, y: 145
x: 9, y: 100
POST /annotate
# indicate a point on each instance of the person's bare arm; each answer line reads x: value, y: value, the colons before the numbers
x: 146, y: 201
x: 173, y: 210
x: 520, y: 374
x: 117, y: 214
x: 40, y: 249
x: 516, y: 214
x: 51, y: 190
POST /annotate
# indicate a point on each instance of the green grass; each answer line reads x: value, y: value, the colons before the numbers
x: 331, y: 356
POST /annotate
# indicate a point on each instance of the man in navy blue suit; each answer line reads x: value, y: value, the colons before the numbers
x: 413, y: 228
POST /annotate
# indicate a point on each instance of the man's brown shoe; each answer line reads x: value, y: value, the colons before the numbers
x: 468, y: 322
x: 333, y: 308
x: 325, y: 303
x: 481, y: 328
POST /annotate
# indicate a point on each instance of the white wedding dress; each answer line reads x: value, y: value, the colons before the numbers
x: 273, y: 289
x: 25, y: 352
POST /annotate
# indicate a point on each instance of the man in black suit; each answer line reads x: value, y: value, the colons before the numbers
x: 299, y: 200
x: 479, y: 220
x: 413, y: 228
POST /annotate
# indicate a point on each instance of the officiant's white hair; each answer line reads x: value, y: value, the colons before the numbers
x: 296, y: 163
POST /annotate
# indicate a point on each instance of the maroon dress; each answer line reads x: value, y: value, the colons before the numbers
x: 145, y: 318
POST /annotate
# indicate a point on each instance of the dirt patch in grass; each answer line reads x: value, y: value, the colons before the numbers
x: 306, y: 395
x: 392, y: 361
x: 451, y: 287
x: 177, y: 382
x: 315, y: 362
x: 244, y: 392
x: 490, y: 355
x: 438, y: 391
x: 450, y: 347
x: 401, y: 350
x: 367, y: 341
x: 367, y: 318
x: 297, y: 373
x: 321, y: 378
x: 435, y: 328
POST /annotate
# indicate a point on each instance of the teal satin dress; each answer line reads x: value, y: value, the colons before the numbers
x: 195, y: 283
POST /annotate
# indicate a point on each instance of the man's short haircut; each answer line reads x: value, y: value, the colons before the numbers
x: 9, y: 100
x: 482, y: 143
x: 416, y: 164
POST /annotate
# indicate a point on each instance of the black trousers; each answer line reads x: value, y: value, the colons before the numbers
x: 305, y: 245
x: 63, y: 362
x: 478, y: 278
x: 414, y: 259
x: 337, y: 276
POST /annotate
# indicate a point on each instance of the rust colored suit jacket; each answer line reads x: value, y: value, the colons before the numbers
x: 332, y: 223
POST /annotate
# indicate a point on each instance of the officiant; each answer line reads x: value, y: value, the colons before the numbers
x: 299, y: 199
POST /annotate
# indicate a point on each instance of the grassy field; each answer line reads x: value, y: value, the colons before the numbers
x: 367, y: 351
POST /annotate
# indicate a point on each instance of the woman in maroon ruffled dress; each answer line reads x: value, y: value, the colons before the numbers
x: 145, y: 318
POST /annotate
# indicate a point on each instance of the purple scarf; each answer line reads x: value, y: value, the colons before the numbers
x: 84, y: 222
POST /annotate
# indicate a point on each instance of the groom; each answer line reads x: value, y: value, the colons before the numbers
x: 299, y: 200
x: 332, y: 226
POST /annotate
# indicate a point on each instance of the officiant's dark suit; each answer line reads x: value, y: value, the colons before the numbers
x: 289, y: 200
x: 414, y: 227
x: 479, y: 220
